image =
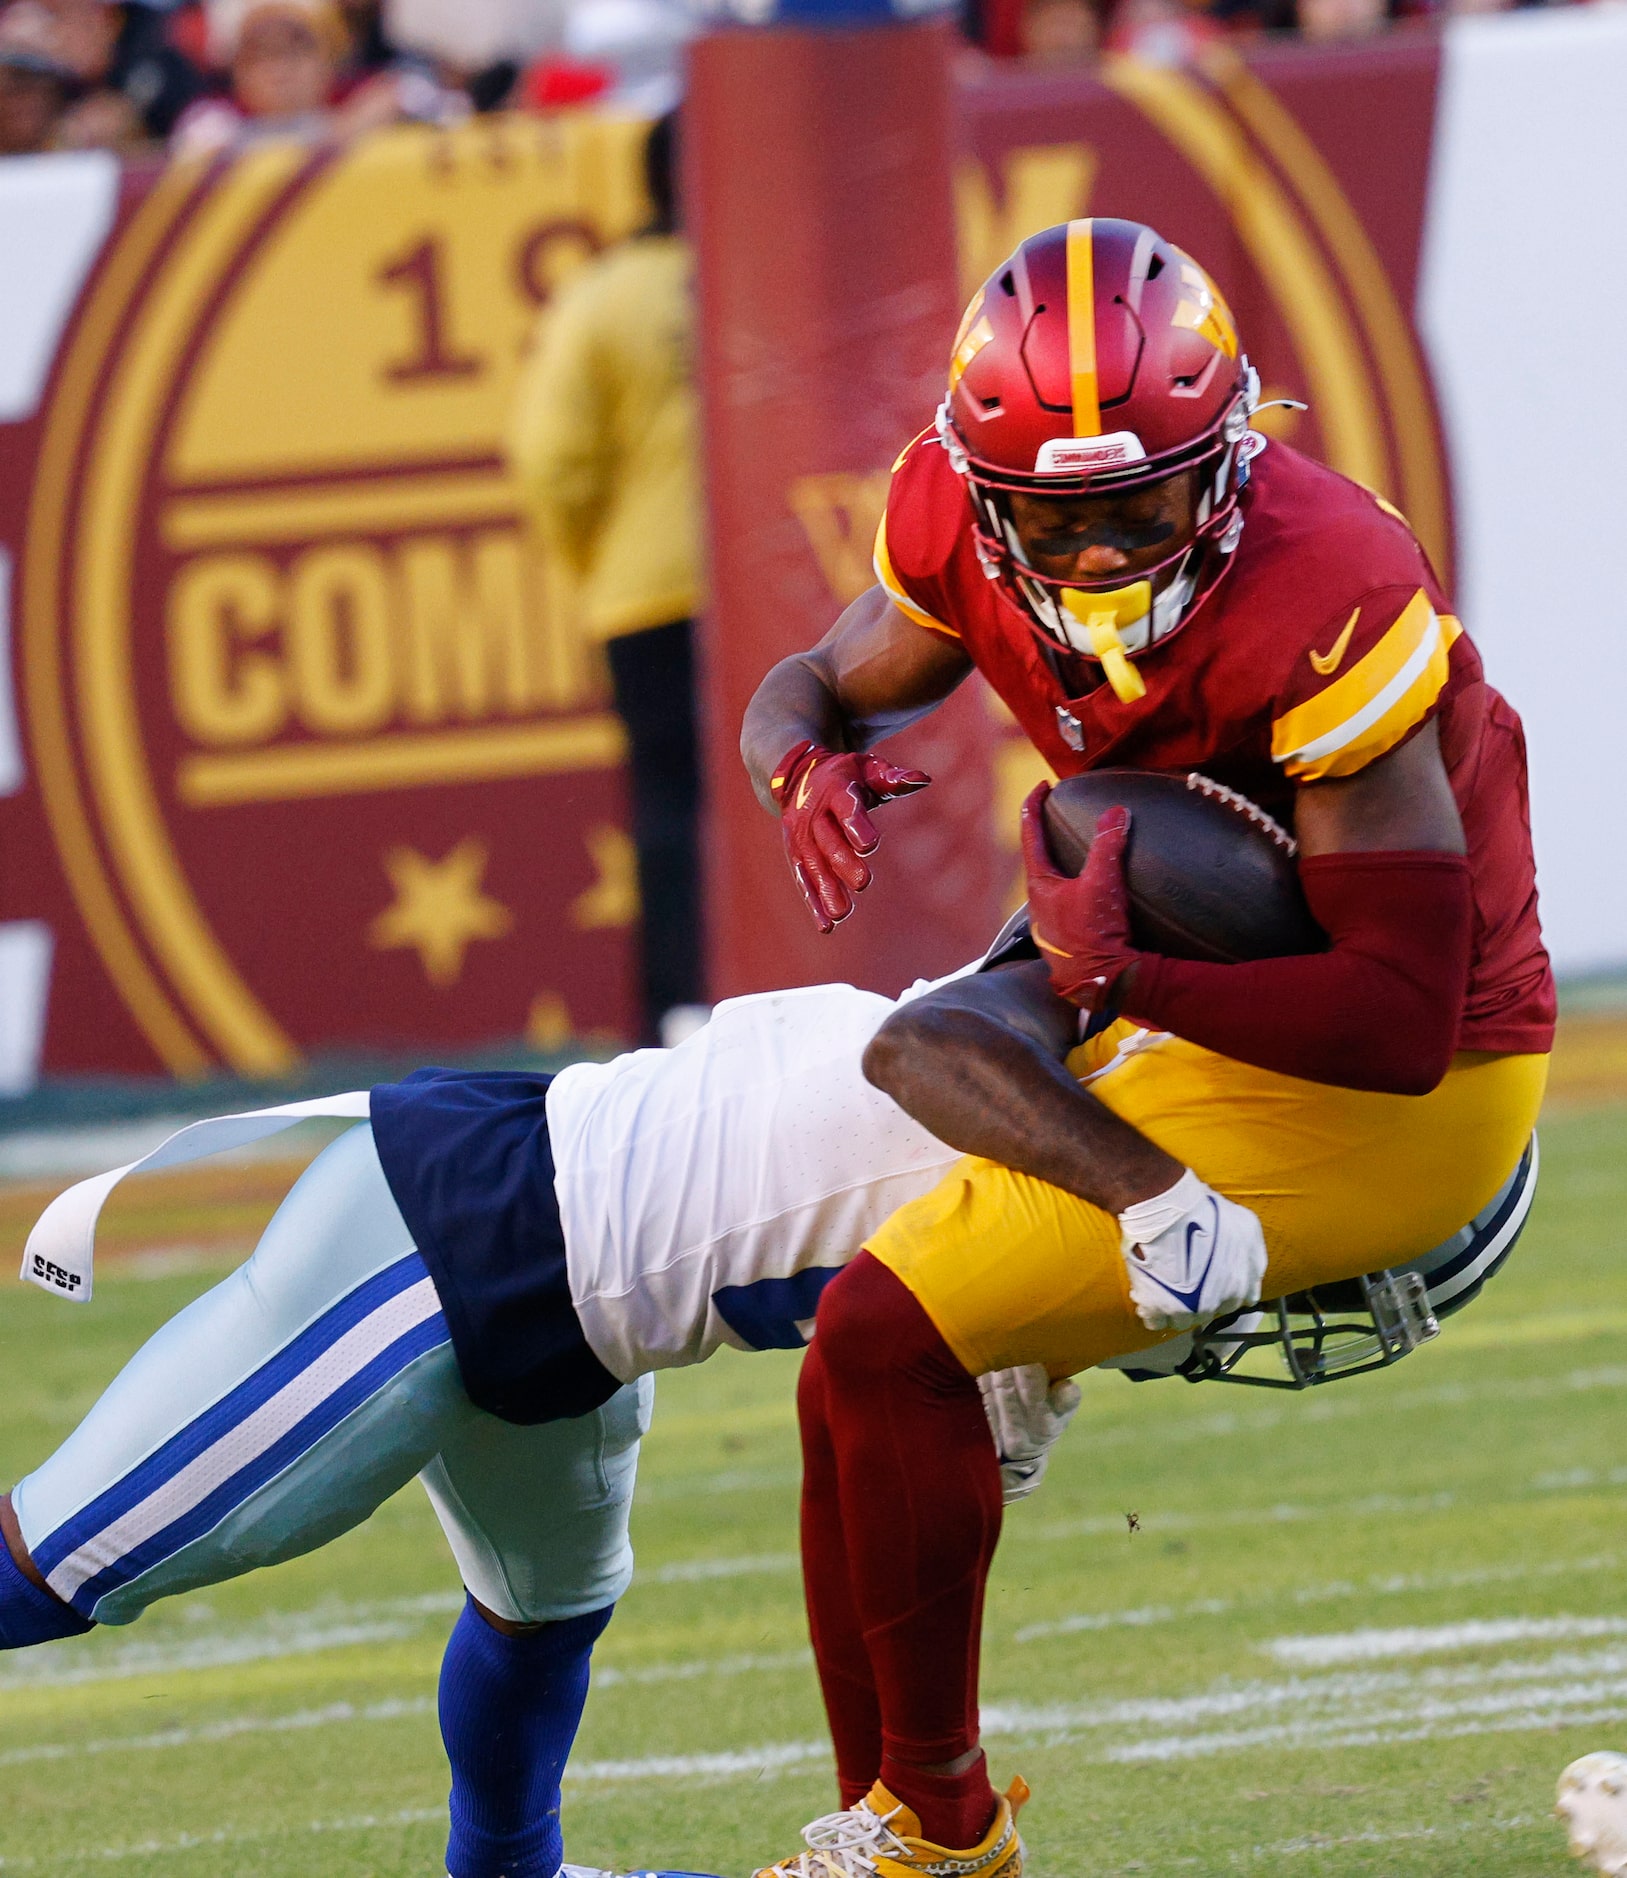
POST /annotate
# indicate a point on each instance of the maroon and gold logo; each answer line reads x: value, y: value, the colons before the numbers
x: 323, y: 755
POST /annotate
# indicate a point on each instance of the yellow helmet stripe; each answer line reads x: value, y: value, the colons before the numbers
x: 1087, y: 413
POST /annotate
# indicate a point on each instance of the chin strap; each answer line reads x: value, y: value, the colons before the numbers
x: 1102, y: 615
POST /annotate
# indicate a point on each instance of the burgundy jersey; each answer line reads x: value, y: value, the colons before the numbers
x: 1325, y: 644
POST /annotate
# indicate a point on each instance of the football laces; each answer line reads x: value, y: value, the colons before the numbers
x: 843, y: 1845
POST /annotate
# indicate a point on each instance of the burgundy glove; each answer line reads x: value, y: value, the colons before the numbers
x: 822, y: 798
x: 1082, y: 926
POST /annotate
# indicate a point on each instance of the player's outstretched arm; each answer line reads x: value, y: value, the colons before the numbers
x: 979, y: 1062
x: 807, y: 730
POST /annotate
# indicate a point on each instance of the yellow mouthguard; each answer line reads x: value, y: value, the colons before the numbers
x: 1101, y: 615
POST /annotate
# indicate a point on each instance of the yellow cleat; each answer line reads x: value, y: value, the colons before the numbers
x: 881, y: 1838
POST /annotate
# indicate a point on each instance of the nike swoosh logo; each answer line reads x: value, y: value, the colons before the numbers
x: 807, y: 780
x: 1188, y: 1300
x: 1325, y: 663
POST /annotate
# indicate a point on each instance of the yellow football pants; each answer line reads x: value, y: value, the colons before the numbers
x: 1344, y: 1181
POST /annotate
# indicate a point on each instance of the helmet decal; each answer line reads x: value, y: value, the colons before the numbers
x: 1068, y: 456
x: 973, y: 336
x: 1203, y: 309
x: 1087, y: 410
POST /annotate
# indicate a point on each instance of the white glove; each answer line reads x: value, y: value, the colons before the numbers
x: 1027, y: 1413
x: 1193, y: 1255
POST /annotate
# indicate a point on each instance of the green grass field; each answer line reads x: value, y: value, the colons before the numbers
x: 1227, y: 1690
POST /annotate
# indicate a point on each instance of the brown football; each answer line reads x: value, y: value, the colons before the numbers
x: 1211, y: 876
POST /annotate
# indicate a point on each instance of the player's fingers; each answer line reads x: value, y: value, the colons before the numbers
x: 835, y: 871
x: 855, y: 824
x: 810, y: 899
x: 1037, y: 860
x: 827, y: 899
x: 887, y: 780
x: 837, y: 855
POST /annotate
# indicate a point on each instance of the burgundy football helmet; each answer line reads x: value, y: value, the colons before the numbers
x: 1100, y: 358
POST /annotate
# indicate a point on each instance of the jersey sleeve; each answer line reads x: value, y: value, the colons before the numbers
x: 1363, y: 685
x: 917, y: 535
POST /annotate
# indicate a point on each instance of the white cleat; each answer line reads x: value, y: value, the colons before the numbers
x: 1592, y: 1801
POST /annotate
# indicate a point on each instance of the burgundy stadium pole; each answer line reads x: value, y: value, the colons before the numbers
x: 817, y: 168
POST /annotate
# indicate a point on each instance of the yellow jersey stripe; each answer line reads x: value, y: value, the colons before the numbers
x: 1338, y: 703
x: 1368, y: 711
x: 1087, y: 410
x: 882, y: 563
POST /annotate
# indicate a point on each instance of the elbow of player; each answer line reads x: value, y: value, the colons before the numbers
x: 913, y: 1047
x: 886, y: 1056
x: 1406, y: 1053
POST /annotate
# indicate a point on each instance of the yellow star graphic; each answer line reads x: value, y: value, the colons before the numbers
x: 439, y: 908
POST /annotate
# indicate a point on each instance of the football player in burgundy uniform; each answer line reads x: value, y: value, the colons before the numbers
x: 1146, y: 582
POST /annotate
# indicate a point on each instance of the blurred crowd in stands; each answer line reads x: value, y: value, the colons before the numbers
x: 1175, y: 32
x: 203, y: 75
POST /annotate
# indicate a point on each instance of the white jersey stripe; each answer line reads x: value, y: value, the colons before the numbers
x: 250, y: 1438
x: 1376, y: 706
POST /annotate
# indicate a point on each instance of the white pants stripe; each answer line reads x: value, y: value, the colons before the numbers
x: 282, y: 1407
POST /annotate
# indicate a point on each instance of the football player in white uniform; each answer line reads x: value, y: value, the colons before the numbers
x: 474, y: 1286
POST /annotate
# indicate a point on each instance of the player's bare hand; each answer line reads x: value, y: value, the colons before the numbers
x: 1081, y: 925
x: 824, y: 800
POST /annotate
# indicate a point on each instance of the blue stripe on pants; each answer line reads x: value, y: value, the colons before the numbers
x: 240, y: 1442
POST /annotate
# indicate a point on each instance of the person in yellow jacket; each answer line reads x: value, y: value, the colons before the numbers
x: 603, y: 446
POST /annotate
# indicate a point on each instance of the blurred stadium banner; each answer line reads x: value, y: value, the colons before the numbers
x: 303, y: 752
x: 307, y: 755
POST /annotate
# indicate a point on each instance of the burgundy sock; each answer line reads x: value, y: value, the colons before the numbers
x: 960, y: 1807
x: 894, y: 1434
x: 845, y: 1680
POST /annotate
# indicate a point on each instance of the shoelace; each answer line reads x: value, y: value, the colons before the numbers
x: 843, y: 1845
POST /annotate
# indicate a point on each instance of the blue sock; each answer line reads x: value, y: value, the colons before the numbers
x: 509, y: 1713
x: 28, y: 1614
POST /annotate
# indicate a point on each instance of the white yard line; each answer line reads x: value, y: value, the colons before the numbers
x: 1373, y: 1646
x: 335, y: 1714
x: 55, y: 1668
x: 1283, y: 1513
x: 1347, y: 1709
x: 732, y: 1765
x: 1335, y: 1590
x: 325, y: 1627
x: 1229, y: 1424
x: 611, y: 1677
x: 423, y: 1816
x: 1397, y: 1584
x: 702, y: 1570
x: 223, y: 1836
x: 1455, y: 1829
